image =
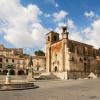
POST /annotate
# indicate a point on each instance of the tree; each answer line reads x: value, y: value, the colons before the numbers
x: 39, y: 53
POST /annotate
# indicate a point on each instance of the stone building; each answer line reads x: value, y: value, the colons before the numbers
x: 64, y: 58
x: 10, y: 59
x: 39, y: 63
x: 68, y: 58
x: 16, y: 62
x: 16, y: 66
x: 10, y: 51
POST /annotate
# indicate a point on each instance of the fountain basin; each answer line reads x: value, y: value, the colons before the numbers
x: 17, y: 86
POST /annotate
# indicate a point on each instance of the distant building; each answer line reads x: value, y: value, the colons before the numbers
x: 68, y: 58
x: 14, y: 60
x: 10, y: 51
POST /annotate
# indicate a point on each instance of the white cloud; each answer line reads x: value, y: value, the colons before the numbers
x: 20, y: 24
x: 53, y: 2
x: 89, y: 14
x: 58, y: 29
x: 74, y: 34
x: 70, y: 24
x: 59, y: 16
x: 72, y: 29
x: 22, y: 27
x: 86, y: 32
x: 89, y: 35
x: 38, y: 34
x: 93, y: 33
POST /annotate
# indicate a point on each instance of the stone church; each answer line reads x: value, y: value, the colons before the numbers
x: 68, y: 58
x: 65, y: 58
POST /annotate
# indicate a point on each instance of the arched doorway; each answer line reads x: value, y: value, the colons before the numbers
x: 12, y: 72
x: 38, y: 68
x: 0, y: 72
x: 56, y: 69
x: 21, y: 72
x: 5, y: 72
x: 85, y: 67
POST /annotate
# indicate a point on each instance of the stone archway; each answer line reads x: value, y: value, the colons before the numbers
x: 21, y: 72
x: 37, y: 67
x: 0, y: 72
x: 56, y: 69
x: 56, y: 66
x: 12, y: 72
x: 5, y: 71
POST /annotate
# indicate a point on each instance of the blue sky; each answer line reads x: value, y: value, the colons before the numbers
x: 76, y: 8
x: 81, y: 16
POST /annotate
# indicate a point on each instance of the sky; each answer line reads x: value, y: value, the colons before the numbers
x: 24, y: 23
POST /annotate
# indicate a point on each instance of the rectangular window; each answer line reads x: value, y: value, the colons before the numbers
x: 6, y: 60
x: 0, y: 59
x: 0, y: 65
x: 13, y: 60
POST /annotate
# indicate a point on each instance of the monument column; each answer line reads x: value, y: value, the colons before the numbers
x: 30, y: 70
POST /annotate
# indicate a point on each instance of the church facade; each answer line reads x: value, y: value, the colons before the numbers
x: 68, y: 58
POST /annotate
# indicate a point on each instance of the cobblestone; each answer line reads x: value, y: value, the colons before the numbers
x: 57, y: 90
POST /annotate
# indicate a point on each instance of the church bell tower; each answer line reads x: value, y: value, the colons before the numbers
x: 51, y: 37
x: 64, y: 32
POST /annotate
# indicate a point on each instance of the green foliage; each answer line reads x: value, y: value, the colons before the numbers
x: 10, y: 66
x: 39, y: 53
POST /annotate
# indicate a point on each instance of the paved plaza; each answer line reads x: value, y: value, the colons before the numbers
x: 57, y: 90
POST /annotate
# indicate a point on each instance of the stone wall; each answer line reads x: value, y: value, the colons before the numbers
x: 77, y: 74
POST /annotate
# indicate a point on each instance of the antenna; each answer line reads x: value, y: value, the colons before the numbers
x: 67, y: 22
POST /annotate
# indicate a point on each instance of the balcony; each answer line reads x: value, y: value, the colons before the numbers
x: 10, y: 66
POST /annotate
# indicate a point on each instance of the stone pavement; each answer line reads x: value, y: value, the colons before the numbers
x: 57, y: 90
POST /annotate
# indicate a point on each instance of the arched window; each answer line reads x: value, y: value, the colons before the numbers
x: 38, y: 67
x: 21, y: 72
x: 72, y: 47
x: 72, y: 59
x: 6, y: 60
x: 0, y: 72
x: 12, y: 72
x: 81, y: 59
x: 13, y: 60
x: 56, y: 69
x: 48, y: 38
x: 5, y: 72
x: 0, y: 59
x: 55, y: 38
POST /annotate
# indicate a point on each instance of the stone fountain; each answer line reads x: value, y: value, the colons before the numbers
x: 28, y: 83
